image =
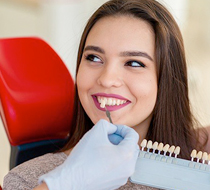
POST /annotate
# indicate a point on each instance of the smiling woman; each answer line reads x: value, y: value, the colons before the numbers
x: 131, y: 61
x: 119, y: 70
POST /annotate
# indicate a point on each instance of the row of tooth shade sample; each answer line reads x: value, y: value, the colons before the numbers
x: 160, y: 148
x: 200, y: 156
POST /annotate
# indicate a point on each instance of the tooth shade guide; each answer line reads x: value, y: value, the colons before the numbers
x: 103, y: 103
x: 180, y: 173
x: 203, y: 157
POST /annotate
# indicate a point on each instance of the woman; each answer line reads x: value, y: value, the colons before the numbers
x: 131, y: 58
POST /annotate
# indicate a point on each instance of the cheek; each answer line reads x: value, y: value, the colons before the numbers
x: 82, y: 79
x: 145, y: 91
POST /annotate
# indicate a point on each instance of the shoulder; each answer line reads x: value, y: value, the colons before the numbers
x: 25, y: 176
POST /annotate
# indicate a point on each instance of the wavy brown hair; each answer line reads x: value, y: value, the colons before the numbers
x: 172, y: 120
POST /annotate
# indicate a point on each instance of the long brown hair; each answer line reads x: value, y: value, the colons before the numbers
x: 172, y: 120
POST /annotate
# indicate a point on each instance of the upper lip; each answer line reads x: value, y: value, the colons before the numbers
x: 110, y: 96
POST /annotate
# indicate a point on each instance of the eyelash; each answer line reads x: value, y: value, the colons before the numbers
x: 91, y: 58
x: 138, y: 62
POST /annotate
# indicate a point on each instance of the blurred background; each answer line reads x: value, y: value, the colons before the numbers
x: 60, y: 23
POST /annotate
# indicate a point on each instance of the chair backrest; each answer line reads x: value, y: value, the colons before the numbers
x: 36, y: 95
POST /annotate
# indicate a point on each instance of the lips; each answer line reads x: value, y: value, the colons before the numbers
x: 113, y: 102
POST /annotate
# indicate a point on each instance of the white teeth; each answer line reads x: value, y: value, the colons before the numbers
x: 118, y: 102
x: 109, y: 101
x: 105, y: 100
x: 114, y: 102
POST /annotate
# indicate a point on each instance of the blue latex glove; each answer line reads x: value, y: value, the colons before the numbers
x: 116, y: 138
x: 95, y: 162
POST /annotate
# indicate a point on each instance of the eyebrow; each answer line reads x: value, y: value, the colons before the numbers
x: 123, y: 54
x: 94, y: 48
x: 136, y: 53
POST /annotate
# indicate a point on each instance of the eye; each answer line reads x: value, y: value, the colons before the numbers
x: 93, y: 58
x: 134, y: 64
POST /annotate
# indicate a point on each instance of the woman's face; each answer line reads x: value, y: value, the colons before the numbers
x: 118, y: 68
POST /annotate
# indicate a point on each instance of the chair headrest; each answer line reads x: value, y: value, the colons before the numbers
x: 36, y: 91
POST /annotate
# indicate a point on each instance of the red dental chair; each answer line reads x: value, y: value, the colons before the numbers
x: 36, y: 98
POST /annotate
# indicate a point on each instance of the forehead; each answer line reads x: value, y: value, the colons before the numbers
x: 122, y: 31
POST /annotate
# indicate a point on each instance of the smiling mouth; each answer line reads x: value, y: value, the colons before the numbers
x: 104, y: 101
x: 111, y: 102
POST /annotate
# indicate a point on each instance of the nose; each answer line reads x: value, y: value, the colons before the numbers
x: 110, y: 77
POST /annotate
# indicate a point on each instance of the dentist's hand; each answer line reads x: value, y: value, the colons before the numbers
x: 95, y: 162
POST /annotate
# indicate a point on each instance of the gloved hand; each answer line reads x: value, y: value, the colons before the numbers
x: 95, y: 163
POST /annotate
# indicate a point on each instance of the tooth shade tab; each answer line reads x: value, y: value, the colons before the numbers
x: 103, y: 103
x: 193, y: 154
x: 199, y: 156
x: 144, y: 144
x: 165, y: 149
x: 149, y: 145
x: 154, y: 146
x: 209, y: 159
x: 160, y: 147
x: 177, y: 151
x: 205, y: 157
x: 171, y: 150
